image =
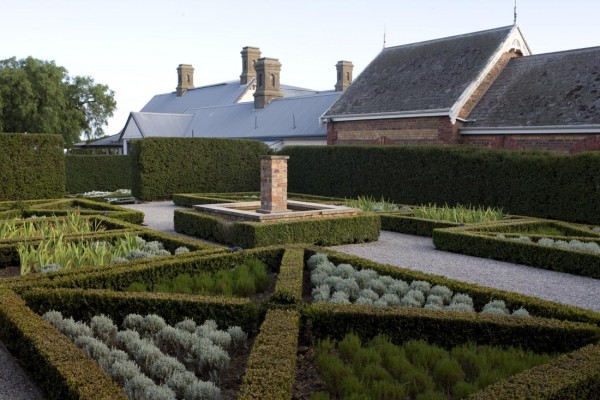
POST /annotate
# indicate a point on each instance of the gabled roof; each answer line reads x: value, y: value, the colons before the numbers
x: 422, y: 78
x: 208, y: 96
x: 203, y: 96
x: 553, y: 89
x: 289, y: 117
x: 143, y: 124
x: 109, y: 141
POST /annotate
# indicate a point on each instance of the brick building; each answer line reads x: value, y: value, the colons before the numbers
x: 483, y: 88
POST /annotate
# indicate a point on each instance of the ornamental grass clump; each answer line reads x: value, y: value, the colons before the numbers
x: 73, y: 223
x: 153, y: 360
x: 459, y: 214
x: 343, y: 284
x: 368, y: 203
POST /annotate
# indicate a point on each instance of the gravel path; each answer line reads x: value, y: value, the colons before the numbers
x: 15, y: 384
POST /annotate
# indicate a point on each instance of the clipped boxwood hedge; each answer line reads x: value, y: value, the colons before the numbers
x: 86, y: 173
x: 572, y: 376
x: 322, y: 231
x: 84, y: 207
x: 405, y: 223
x: 271, y: 368
x: 163, y: 166
x: 61, y: 369
x: 472, y: 242
x: 33, y: 166
x: 539, y: 184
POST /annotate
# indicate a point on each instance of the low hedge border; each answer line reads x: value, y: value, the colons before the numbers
x: 288, y: 289
x: 271, y: 367
x: 405, y: 323
x: 522, y: 225
x: 85, y: 303
x: 321, y: 231
x: 117, y: 278
x: 59, y: 367
x: 405, y: 223
x: 87, y: 207
x: 481, y: 295
x: 572, y: 376
x: 471, y: 242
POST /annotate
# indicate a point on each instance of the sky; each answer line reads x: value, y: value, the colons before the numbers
x: 134, y: 46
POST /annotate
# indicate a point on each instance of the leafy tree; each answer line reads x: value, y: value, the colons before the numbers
x: 38, y: 96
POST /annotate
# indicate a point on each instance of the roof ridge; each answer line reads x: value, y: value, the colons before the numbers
x: 581, y: 50
x: 509, y: 27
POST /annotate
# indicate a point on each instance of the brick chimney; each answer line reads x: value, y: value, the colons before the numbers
x: 249, y: 57
x: 267, y: 81
x: 344, y: 75
x: 185, y: 78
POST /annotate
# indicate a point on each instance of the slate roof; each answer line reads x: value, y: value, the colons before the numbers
x: 429, y: 75
x: 207, y: 96
x: 553, y: 89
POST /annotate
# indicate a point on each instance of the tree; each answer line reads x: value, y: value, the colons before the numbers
x: 39, y: 97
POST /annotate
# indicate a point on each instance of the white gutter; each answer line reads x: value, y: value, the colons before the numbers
x: 531, y: 130
x: 439, y: 112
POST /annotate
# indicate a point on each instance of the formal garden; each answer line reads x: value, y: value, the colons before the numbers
x: 95, y: 305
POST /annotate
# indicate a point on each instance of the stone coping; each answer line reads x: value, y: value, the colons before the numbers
x: 248, y: 210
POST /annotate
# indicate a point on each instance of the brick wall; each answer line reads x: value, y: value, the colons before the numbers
x: 573, y: 143
x: 429, y: 130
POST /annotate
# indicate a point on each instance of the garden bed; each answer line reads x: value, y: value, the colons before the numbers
x: 552, y: 245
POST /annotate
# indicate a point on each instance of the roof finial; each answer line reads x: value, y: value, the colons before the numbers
x: 384, y: 36
x: 515, y: 14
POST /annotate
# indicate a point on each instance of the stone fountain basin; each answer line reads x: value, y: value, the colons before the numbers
x: 247, y: 211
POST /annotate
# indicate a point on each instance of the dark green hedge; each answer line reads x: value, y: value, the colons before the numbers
x: 446, y: 328
x: 288, y: 289
x: 572, y: 376
x: 101, y: 172
x: 564, y: 187
x: 83, y: 304
x: 411, y: 225
x: 163, y: 166
x: 58, y: 366
x: 321, y: 231
x: 271, y: 367
x: 84, y: 207
x: 462, y: 241
x: 31, y: 166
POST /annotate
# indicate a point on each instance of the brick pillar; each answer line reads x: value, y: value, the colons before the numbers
x: 273, y: 184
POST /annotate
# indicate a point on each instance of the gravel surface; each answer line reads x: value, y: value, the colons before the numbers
x: 15, y: 384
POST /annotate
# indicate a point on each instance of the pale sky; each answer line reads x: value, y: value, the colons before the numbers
x: 134, y: 47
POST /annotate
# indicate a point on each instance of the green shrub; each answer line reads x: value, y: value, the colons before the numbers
x: 415, y: 368
x: 163, y: 166
x: 563, y: 187
x: 33, y: 166
x: 97, y: 172
x: 271, y: 367
x: 405, y: 223
x: 321, y: 231
x: 244, y: 280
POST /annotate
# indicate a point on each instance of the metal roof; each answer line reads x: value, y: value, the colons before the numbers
x: 143, y: 124
x: 423, y: 76
x: 109, y: 141
x: 552, y: 89
x: 282, y: 118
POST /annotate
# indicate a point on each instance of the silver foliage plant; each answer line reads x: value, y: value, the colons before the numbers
x: 343, y: 284
x: 573, y: 245
x: 153, y: 360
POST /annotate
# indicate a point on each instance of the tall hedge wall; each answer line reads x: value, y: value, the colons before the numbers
x: 32, y: 166
x: 539, y: 184
x: 97, y: 172
x: 163, y: 166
